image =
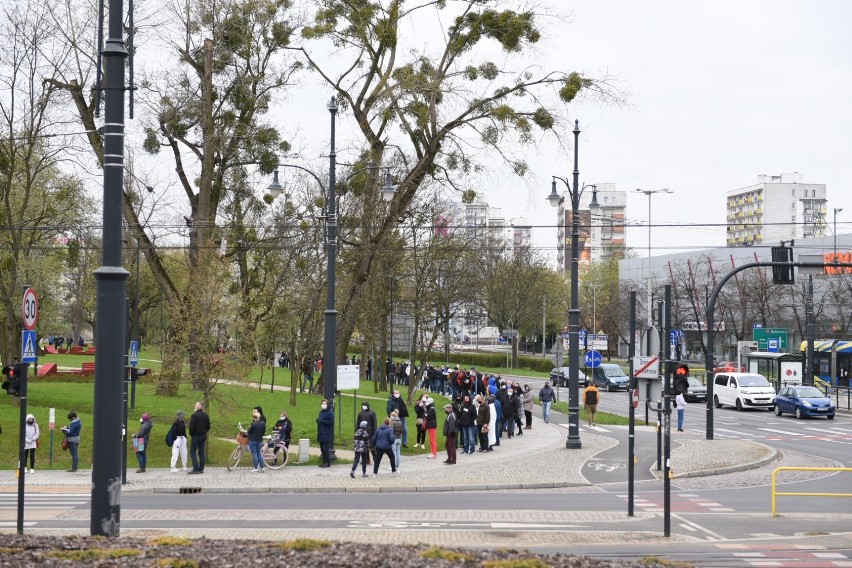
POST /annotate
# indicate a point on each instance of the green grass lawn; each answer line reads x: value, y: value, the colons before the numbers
x: 232, y: 404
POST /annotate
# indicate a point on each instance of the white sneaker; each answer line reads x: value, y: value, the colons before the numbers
x: 183, y: 470
x: 253, y: 470
x: 32, y: 471
x: 175, y: 470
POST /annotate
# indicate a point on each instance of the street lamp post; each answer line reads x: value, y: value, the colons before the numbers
x: 329, y: 358
x: 573, y: 441
x: 649, y: 193
x: 836, y: 211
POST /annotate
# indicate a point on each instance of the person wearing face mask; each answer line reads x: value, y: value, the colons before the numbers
x: 31, y: 441
x: 529, y: 401
x: 325, y: 432
x: 284, y: 427
x: 432, y: 428
x: 368, y: 416
x: 395, y: 402
x: 141, y: 441
x: 420, y: 411
x: 256, y: 431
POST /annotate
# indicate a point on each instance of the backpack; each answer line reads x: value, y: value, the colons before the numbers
x: 170, y: 437
x: 591, y: 397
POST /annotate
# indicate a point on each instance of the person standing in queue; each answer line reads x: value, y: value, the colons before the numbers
x: 325, y: 432
x: 432, y: 428
x: 199, y: 426
x: 72, y: 436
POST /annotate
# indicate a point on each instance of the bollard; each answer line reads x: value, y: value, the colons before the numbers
x: 304, y: 450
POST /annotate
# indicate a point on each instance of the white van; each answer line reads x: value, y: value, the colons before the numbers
x: 743, y: 390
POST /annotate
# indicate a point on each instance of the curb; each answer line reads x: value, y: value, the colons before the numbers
x: 367, y: 489
x: 774, y: 455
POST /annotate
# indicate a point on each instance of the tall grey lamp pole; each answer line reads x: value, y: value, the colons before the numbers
x: 573, y: 441
x: 329, y: 356
x: 836, y: 211
x: 649, y: 193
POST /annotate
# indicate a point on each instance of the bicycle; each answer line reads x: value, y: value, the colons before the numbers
x: 275, y: 454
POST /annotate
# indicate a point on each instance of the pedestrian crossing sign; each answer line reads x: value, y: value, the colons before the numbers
x: 134, y: 353
x: 28, y: 346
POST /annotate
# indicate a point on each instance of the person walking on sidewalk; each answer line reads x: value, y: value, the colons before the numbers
x: 72, y: 436
x: 179, y: 444
x: 362, y: 449
x: 199, y: 426
x: 432, y: 428
x: 325, y: 432
x: 383, y: 443
x: 450, y: 433
x: 31, y: 441
x: 140, y: 441
x: 395, y: 402
x: 529, y: 401
x: 680, y: 401
x: 591, y: 398
x: 546, y: 396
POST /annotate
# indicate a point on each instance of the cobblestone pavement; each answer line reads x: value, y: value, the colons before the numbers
x: 536, y: 460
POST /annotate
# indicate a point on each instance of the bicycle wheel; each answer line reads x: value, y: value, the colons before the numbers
x: 234, y: 460
x: 275, y: 458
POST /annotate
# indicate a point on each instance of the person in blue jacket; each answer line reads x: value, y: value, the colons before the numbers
x: 72, y: 435
x: 325, y: 432
x: 383, y: 441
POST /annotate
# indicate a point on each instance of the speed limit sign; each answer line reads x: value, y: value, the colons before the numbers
x: 30, y: 308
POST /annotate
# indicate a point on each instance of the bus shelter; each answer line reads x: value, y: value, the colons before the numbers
x: 780, y: 369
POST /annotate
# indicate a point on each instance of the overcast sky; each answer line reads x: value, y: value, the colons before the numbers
x: 718, y: 92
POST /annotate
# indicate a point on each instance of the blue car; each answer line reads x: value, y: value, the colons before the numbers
x: 803, y: 402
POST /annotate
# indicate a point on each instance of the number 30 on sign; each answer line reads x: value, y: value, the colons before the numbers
x: 30, y: 308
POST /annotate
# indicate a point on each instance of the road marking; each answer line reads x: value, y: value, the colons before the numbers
x: 15, y: 524
x: 687, y: 527
x: 710, y: 533
x: 43, y: 501
x: 785, y: 432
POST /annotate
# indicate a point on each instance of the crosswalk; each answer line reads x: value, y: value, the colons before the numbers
x: 43, y: 501
x: 835, y: 435
x: 804, y: 555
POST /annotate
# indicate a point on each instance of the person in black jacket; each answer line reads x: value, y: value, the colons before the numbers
x: 432, y: 428
x: 179, y: 444
x: 382, y: 441
x: 509, y: 409
x: 467, y: 424
x: 450, y: 433
x: 142, y: 438
x: 255, y: 433
x: 395, y: 402
x: 199, y: 426
x: 284, y: 428
x: 369, y: 416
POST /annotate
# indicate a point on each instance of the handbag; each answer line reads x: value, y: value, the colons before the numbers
x: 423, y: 426
x: 65, y: 443
x: 419, y: 421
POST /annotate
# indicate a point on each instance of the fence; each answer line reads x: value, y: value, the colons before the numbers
x: 801, y: 494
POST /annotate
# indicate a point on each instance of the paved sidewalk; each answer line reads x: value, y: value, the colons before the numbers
x: 536, y: 460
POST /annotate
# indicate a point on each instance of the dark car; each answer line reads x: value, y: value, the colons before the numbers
x: 559, y: 376
x: 803, y: 402
x: 696, y: 391
x: 610, y: 377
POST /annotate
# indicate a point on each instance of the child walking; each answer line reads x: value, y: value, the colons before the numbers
x: 360, y: 445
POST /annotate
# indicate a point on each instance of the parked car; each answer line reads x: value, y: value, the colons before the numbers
x: 559, y: 376
x: 610, y: 377
x: 742, y: 390
x: 696, y: 391
x: 803, y: 402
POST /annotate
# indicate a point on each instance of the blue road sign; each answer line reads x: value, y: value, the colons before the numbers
x: 134, y: 353
x: 28, y: 346
x: 593, y: 359
x: 582, y: 336
x: 772, y: 344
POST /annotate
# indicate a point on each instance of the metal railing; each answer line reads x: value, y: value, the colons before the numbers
x: 776, y: 494
x: 842, y: 395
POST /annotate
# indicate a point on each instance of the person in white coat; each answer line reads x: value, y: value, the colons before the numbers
x: 492, y: 425
x: 31, y: 441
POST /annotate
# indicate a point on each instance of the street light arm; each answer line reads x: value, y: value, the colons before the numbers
x: 304, y: 169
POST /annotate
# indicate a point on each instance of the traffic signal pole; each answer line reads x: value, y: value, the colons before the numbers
x: 631, y: 434
x: 667, y: 450
x: 22, y: 442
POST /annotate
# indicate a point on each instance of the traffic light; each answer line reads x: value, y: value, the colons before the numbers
x: 782, y: 274
x: 12, y: 382
x: 681, y: 376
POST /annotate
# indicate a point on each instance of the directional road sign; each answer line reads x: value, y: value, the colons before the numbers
x: 593, y: 359
x: 28, y: 346
x: 30, y: 308
x: 134, y: 353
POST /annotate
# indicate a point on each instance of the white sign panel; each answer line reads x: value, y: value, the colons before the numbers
x: 348, y: 377
x: 646, y: 367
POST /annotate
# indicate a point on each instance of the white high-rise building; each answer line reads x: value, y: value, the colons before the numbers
x: 777, y: 208
x: 601, y: 231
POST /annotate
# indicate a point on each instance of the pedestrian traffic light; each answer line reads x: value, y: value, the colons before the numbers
x: 681, y: 378
x: 12, y: 381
